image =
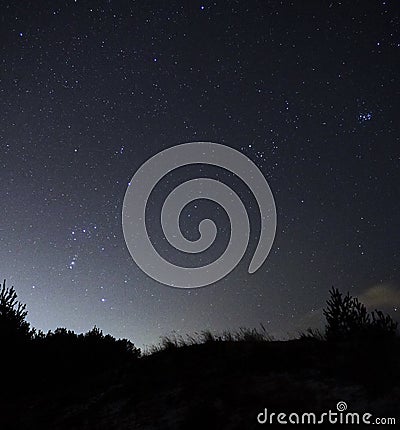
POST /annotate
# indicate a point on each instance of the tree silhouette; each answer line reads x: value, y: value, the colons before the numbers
x: 13, y: 325
x: 62, y: 350
x: 347, y: 317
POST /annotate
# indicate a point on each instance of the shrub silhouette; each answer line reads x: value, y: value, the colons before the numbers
x: 62, y: 351
x: 68, y: 352
x: 13, y: 325
x: 383, y: 324
x: 347, y: 317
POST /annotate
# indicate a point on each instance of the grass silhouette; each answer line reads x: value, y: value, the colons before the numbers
x: 64, y: 380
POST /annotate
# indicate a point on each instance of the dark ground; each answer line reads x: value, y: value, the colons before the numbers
x: 215, y: 385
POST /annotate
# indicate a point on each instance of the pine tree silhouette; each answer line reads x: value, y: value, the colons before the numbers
x: 347, y: 317
x: 13, y: 325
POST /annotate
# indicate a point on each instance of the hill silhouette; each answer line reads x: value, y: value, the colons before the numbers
x: 64, y: 380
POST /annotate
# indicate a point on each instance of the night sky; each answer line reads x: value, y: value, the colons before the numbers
x: 90, y: 90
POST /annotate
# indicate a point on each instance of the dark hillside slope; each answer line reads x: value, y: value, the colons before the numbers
x: 215, y: 385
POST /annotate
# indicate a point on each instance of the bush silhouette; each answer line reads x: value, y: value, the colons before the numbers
x: 69, y: 353
x: 13, y: 325
x: 63, y: 351
x: 347, y: 317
